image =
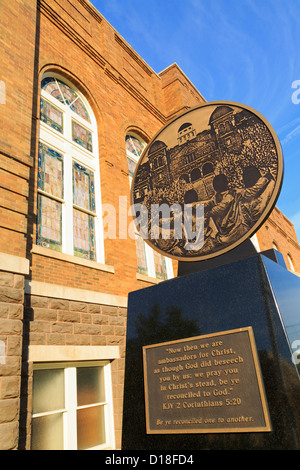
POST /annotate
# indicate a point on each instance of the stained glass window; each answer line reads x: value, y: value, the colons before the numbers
x: 131, y: 167
x: 83, y: 187
x: 134, y: 145
x: 51, y: 116
x: 67, y: 220
x: 50, y: 171
x: 78, y: 107
x: 150, y: 262
x: 84, y: 235
x: 66, y: 95
x: 49, y: 223
x: 50, y: 85
x: 160, y: 265
x: 82, y: 136
x: 141, y: 255
x: 83, y: 223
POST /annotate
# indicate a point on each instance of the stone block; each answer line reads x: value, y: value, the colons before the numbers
x: 98, y: 340
x: 78, y: 340
x: 87, y: 329
x: 56, y: 339
x: 11, y: 295
x: 39, y: 327
x: 59, y: 304
x: 19, y: 281
x: 11, y: 367
x: 9, y: 435
x: 10, y: 387
x: 122, y: 311
x: 3, y: 310
x: 37, y: 338
x: 100, y: 320
x: 78, y: 306
x: 120, y: 330
x: 16, y: 311
x: 86, y: 318
x: 14, y: 346
x: 108, y: 330
x: 9, y: 410
x: 6, y: 279
x: 94, y: 308
x: 10, y: 327
x: 62, y: 328
x: 65, y: 316
x: 44, y: 314
x: 107, y: 310
x: 115, y: 340
x: 117, y: 321
x: 36, y: 301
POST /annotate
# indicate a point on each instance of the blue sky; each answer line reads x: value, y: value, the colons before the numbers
x: 246, y: 51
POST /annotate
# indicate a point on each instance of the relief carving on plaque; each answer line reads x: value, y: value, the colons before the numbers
x: 207, y: 181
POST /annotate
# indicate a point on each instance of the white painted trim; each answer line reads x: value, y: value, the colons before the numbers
x: 14, y: 264
x: 41, y: 250
x: 255, y: 242
x: 150, y: 279
x: 71, y: 407
x: 56, y: 291
x: 72, y: 353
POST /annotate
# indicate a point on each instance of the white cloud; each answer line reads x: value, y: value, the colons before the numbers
x: 295, y: 132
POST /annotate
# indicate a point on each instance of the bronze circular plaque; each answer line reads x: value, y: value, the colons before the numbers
x: 207, y: 181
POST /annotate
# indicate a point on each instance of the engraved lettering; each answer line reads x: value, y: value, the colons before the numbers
x: 202, y: 384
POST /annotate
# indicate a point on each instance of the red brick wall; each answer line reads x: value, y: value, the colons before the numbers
x: 124, y: 94
x: 280, y: 231
x: 17, y: 72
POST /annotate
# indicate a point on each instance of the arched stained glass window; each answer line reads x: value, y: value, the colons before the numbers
x: 149, y: 262
x: 65, y: 95
x: 69, y: 217
x: 135, y: 145
x: 291, y: 264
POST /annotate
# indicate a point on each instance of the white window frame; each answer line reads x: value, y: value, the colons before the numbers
x: 291, y: 263
x: 70, y: 410
x: 148, y: 249
x: 73, y: 152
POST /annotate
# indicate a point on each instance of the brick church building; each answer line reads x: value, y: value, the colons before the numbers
x: 77, y: 106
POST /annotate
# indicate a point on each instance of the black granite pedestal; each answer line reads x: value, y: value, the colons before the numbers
x: 255, y: 292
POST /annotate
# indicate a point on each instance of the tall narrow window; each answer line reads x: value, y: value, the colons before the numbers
x: 83, y: 211
x: 149, y: 262
x: 291, y: 264
x: 50, y: 197
x: 68, y: 173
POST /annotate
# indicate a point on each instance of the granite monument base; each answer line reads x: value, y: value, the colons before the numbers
x: 211, y: 361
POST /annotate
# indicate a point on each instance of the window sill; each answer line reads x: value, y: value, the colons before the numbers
x: 47, y: 353
x: 40, y: 250
x: 150, y: 280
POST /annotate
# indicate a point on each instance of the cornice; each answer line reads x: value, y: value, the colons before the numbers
x: 282, y: 232
x: 89, y: 50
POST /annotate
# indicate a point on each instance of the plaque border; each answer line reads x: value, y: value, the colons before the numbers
x: 265, y: 409
x: 267, y: 210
